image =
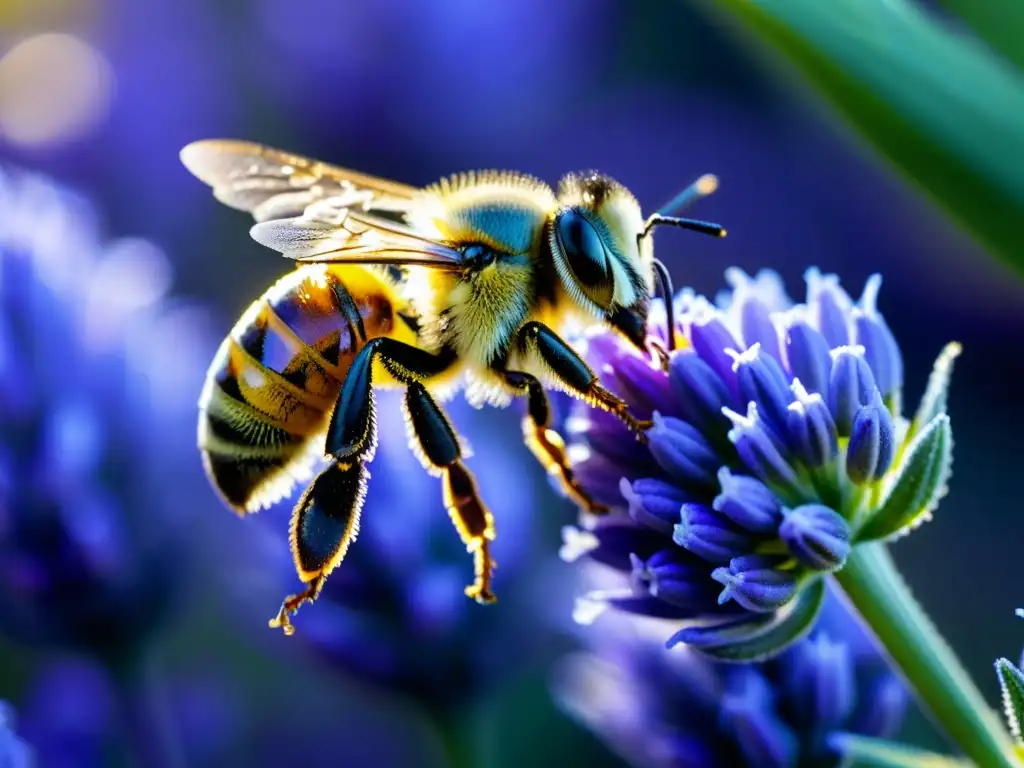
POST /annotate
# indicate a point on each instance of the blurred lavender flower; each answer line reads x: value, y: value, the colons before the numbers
x: 778, y: 444
x: 71, y: 716
x: 674, y: 708
x: 393, y: 614
x: 14, y: 753
x: 98, y: 477
x: 96, y: 373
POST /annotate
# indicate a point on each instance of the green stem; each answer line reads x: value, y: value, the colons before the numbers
x: 461, y: 737
x: 873, y: 584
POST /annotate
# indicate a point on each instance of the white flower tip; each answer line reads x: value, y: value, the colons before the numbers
x: 739, y: 421
x: 588, y: 609
x: 577, y: 425
x: 747, y: 356
x: 1019, y: 613
x: 576, y: 543
x: 626, y: 489
x: 857, y: 350
x: 868, y: 303
x: 577, y: 453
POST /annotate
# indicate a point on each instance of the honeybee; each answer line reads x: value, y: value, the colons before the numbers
x: 467, y: 283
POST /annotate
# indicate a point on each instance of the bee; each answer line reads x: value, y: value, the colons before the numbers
x: 468, y: 283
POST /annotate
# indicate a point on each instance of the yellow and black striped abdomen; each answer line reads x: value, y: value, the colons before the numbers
x: 270, y: 389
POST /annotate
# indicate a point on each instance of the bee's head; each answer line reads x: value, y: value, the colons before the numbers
x: 603, y: 265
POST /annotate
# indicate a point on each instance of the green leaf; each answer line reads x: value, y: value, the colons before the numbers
x: 941, y: 106
x: 758, y: 637
x: 934, y: 400
x: 919, y: 485
x: 880, y: 753
x: 1012, y: 683
x: 999, y: 22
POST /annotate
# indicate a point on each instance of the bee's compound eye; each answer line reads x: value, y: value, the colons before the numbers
x: 477, y: 255
x: 585, y: 253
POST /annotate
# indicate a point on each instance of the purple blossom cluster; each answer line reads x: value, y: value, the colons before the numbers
x: 778, y: 444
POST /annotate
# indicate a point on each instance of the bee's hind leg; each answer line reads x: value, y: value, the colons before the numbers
x: 439, y: 450
x: 326, y: 518
x: 546, y: 444
x: 324, y: 523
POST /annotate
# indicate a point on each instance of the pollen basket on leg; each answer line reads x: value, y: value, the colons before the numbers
x: 326, y: 519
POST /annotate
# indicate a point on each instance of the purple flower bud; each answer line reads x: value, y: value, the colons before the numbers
x: 761, y: 454
x: 850, y: 386
x: 881, y: 351
x: 710, y: 535
x: 757, y: 327
x: 681, y: 450
x: 762, y: 381
x: 820, y: 683
x: 748, y: 711
x: 676, y: 576
x: 700, y: 392
x: 756, y: 583
x: 747, y: 502
x: 817, y: 536
x: 654, y: 503
x: 808, y: 357
x: 830, y: 307
x: 812, y: 432
x: 644, y: 388
x: 611, y: 543
x: 710, y: 339
x: 872, y: 442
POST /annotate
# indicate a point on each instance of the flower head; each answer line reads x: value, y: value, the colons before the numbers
x: 778, y: 445
x: 670, y: 708
x: 393, y: 614
x: 96, y: 373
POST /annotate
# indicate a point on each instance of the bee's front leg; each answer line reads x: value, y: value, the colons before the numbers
x: 546, y: 444
x: 576, y: 376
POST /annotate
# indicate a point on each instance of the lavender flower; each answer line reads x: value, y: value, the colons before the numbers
x: 673, y: 708
x: 96, y: 374
x: 778, y: 445
x: 14, y: 753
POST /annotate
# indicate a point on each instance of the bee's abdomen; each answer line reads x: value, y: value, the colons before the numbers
x: 275, y: 378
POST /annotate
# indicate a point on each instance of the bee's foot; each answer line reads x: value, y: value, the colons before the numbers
x: 659, y: 353
x: 616, y: 405
x: 481, y: 594
x: 484, y: 567
x: 291, y: 605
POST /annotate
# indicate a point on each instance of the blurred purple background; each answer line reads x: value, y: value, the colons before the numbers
x: 102, y: 94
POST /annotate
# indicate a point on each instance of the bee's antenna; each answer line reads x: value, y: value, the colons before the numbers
x: 665, y: 286
x: 702, y: 187
x: 704, y: 227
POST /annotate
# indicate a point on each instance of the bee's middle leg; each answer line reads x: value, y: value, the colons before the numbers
x: 546, y: 444
x: 441, y: 454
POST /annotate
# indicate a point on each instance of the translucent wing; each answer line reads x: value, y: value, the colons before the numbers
x: 274, y: 184
x: 333, y: 230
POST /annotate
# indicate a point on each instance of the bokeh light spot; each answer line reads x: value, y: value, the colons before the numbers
x: 53, y: 88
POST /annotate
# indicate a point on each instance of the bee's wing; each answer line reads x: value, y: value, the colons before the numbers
x: 273, y: 184
x: 332, y: 230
